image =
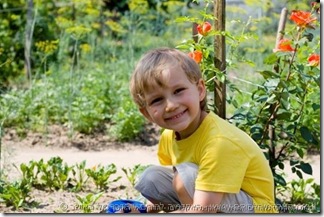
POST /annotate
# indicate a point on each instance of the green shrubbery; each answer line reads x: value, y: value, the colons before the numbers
x: 80, y: 72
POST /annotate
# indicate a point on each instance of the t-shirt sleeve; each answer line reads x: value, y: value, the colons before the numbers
x: 225, y: 159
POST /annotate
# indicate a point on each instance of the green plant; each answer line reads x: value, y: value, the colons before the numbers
x: 127, y: 123
x: 301, y: 196
x: 79, y: 179
x: 302, y: 191
x: 53, y: 174
x: 279, y: 109
x: 87, y: 203
x: 132, y: 174
x: 30, y: 172
x: 11, y: 48
x: 101, y: 175
x: 16, y: 194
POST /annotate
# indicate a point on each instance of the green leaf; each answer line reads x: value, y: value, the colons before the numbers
x: 285, y: 103
x: 281, y: 165
x: 79, y: 198
x: 306, y: 134
x: 261, y: 98
x: 306, y: 168
x: 23, y: 167
x: 302, y: 41
x: 269, y: 74
x: 309, y: 181
x: 272, y: 83
x: 300, y: 153
x: 316, y: 106
x: 183, y: 19
x: 299, y: 174
x: 293, y: 162
x: 256, y: 132
x: 283, y: 84
x: 280, y: 180
x: 284, y: 115
x: 271, y: 59
x: 271, y: 99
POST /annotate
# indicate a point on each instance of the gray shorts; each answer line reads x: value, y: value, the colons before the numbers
x: 156, y: 183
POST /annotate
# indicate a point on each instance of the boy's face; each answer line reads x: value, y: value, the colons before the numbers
x: 176, y: 105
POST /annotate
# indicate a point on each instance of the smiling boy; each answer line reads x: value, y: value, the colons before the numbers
x: 215, y: 167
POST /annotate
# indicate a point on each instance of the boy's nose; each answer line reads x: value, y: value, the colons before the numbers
x: 171, y: 105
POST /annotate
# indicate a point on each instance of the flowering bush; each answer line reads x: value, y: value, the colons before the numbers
x: 283, y: 114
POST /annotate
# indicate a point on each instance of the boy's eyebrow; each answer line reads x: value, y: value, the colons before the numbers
x: 150, y: 93
x: 150, y: 84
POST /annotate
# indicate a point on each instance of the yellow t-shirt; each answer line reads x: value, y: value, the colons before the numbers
x: 228, y: 160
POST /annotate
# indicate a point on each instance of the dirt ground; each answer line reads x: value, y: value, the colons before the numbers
x: 94, y: 150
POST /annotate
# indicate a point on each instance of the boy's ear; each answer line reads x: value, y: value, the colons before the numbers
x: 145, y: 114
x: 202, y: 89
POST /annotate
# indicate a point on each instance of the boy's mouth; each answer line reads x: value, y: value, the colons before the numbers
x: 175, y: 116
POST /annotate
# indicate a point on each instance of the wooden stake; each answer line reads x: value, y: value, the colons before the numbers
x: 281, y: 26
x: 220, y: 58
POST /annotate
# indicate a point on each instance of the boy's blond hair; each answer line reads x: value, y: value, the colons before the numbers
x: 148, y: 70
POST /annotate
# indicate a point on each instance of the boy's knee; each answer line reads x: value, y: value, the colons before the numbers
x: 149, y: 174
x: 155, y: 184
x: 153, y: 175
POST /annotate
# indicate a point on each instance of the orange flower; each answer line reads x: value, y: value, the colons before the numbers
x: 284, y: 46
x: 314, y: 60
x: 196, y: 55
x: 204, y: 29
x: 302, y: 19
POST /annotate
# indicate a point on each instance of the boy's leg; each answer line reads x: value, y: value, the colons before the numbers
x: 231, y: 203
x: 181, y: 190
x: 237, y: 203
x: 155, y: 184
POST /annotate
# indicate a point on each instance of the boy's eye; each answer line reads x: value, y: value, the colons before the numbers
x: 178, y: 90
x: 156, y: 100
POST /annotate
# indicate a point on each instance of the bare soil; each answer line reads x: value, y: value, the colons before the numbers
x: 94, y: 149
